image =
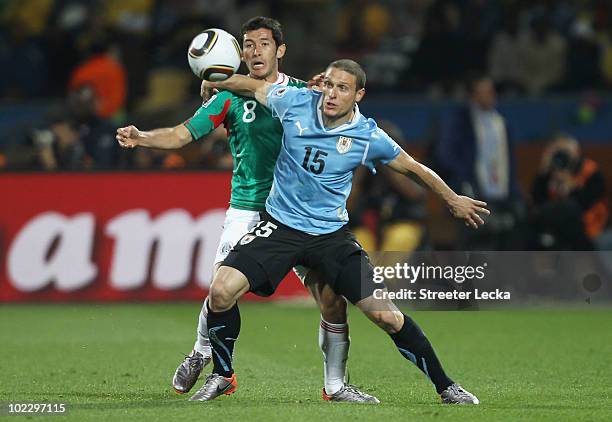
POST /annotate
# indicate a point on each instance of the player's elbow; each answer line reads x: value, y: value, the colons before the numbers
x: 180, y: 136
x: 405, y: 164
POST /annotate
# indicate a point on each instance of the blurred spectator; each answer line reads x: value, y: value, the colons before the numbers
x: 23, y: 49
x: 419, y: 45
x: 440, y: 60
x: 476, y: 154
x: 387, y: 209
x: 77, y: 138
x: 362, y: 24
x: 504, y: 63
x: 542, y: 55
x: 68, y: 21
x: 215, y: 152
x: 570, y: 208
x: 106, y: 76
x: 408, y: 17
x: 128, y: 15
x: 23, y: 63
x: 96, y: 133
x: 479, y: 21
x: 30, y: 15
x: 59, y: 147
x: 606, y: 56
x: 583, y: 58
x: 131, y: 23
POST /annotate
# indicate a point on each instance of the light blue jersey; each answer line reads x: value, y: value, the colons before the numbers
x: 314, y: 170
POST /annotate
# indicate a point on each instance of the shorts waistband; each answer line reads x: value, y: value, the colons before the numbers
x: 237, y: 212
x: 264, y: 215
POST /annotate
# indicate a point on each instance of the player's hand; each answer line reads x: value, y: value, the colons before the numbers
x: 128, y: 136
x: 206, y: 92
x: 469, y: 210
x: 316, y: 81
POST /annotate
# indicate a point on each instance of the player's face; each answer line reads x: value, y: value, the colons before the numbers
x: 260, y: 53
x: 340, y: 93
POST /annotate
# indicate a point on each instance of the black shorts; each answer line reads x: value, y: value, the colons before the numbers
x: 268, y: 252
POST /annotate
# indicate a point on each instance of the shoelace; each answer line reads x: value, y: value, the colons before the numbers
x: 208, y: 387
x: 193, y: 361
x: 209, y: 378
x: 352, y: 389
x: 458, y: 390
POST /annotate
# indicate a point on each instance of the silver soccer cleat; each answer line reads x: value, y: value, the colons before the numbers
x: 188, y: 372
x: 350, y: 393
x: 456, y: 394
x: 215, y: 386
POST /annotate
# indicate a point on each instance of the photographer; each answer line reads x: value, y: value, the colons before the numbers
x: 76, y: 138
x: 570, y: 208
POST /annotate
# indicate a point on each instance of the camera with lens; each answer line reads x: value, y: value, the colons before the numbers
x: 562, y: 160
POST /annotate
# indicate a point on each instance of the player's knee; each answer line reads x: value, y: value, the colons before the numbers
x: 226, y: 289
x: 220, y: 296
x: 390, y: 321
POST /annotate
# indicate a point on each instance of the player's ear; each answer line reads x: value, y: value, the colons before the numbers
x: 280, y: 51
x: 359, y: 95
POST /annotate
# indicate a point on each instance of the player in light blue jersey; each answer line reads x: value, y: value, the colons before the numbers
x: 313, y: 195
x: 325, y: 139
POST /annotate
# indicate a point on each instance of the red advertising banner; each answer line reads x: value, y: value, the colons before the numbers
x: 112, y: 236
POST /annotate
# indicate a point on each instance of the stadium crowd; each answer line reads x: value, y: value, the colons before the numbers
x: 530, y: 47
x: 87, y: 66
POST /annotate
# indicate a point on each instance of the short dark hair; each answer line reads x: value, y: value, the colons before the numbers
x: 354, y: 69
x: 259, y: 22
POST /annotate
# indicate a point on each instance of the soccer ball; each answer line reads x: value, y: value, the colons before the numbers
x: 214, y: 55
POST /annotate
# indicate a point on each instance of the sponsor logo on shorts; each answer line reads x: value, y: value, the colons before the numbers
x: 344, y: 144
x: 247, y: 238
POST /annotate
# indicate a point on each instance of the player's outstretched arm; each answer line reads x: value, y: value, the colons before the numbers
x: 166, y: 138
x: 243, y: 85
x: 462, y: 207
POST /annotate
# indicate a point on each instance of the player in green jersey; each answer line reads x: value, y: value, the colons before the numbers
x: 255, y: 141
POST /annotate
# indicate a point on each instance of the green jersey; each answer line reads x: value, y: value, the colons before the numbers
x: 254, y: 138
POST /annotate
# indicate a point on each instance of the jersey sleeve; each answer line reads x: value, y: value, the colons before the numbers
x: 382, y: 149
x: 281, y: 98
x: 209, y: 116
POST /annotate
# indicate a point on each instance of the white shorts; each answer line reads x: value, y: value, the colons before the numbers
x: 237, y: 223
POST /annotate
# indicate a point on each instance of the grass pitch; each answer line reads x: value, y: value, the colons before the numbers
x: 115, y: 362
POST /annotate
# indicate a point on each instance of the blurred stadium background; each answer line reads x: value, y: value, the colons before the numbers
x: 508, y: 100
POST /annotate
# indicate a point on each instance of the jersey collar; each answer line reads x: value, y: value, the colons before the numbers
x: 344, y: 126
x: 282, y: 79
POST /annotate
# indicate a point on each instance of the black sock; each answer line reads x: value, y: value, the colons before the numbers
x: 414, y: 346
x: 223, y: 330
